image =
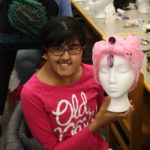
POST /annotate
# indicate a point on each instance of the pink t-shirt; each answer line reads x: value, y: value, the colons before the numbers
x: 58, y: 116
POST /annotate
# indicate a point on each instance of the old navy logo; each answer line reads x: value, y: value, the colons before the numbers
x: 75, y: 114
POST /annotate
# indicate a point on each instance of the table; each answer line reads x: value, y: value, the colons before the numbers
x: 117, y: 27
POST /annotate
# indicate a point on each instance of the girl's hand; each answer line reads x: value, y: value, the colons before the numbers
x: 103, y: 116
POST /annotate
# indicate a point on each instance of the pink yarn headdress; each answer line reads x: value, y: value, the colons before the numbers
x: 128, y: 48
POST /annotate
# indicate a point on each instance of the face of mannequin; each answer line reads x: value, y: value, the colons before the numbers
x: 116, y: 80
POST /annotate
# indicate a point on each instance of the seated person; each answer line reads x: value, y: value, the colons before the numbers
x: 63, y: 106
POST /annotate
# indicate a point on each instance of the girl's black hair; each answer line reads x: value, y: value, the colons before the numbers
x: 62, y: 29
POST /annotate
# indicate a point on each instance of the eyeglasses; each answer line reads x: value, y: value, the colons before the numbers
x: 60, y: 50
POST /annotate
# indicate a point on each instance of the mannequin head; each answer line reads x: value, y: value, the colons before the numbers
x: 99, y: 7
x: 116, y: 67
x: 128, y: 48
x: 118, y: 79
x: 143, y: 6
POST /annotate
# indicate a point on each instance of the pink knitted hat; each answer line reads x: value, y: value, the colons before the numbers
x: 128, y: 48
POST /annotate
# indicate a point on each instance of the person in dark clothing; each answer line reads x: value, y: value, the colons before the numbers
x: 16, y: 35
x: 122, y: 4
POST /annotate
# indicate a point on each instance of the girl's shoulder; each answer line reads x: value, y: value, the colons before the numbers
x: 87, y: 68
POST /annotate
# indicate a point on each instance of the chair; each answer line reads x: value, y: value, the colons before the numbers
x: 18, y: 136
x: 11, y: 100
x: 133, y: 133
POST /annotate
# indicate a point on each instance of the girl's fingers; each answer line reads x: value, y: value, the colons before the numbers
x: 127, y: 113
x: 131, y: 101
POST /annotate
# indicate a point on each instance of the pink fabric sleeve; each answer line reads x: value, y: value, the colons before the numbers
x: 40, y: 127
